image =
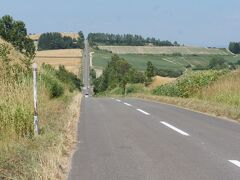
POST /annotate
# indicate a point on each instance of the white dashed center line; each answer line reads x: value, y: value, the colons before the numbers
x: 118, y: 100
x: 144, y: 112
x: 175, y: 129
x: 235, y: 162
x: 128, y: 104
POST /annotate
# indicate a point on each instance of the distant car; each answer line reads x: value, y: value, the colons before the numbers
x: 86, y: 95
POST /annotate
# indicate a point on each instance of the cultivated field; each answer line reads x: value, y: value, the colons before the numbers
x: 139, y: 61
x: 35, y: 37
x: 70, y: 58
x: 163, y: 50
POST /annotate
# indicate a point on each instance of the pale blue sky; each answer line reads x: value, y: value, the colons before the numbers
x: 192, y: 22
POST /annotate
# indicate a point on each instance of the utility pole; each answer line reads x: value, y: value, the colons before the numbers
x: 35, y: 99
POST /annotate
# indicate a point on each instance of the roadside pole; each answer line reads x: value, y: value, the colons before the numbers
x: 35, y: 99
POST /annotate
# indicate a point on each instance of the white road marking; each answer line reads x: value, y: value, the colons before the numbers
x: 128, y: 104
x: 235, y: 162
x: 144, y: 112
x: 118, y: 100
x: 113, y: 98
x: 175, y: 129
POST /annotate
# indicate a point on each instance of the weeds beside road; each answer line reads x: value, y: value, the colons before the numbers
x: 23, y: 155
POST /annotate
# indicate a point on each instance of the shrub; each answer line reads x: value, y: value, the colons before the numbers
x: 168, y: 72
x: 167, y: 90
x: 134, y: 88
x: 189, y: 84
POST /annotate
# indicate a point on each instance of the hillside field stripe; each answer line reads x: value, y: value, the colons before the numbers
x: 235, y: 162
x: 174, y: 128
x: 144, y: 112
x: 128, y: 104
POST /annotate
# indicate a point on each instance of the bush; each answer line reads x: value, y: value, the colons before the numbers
x: 134, y: 88
x: 168, y: 72
x: 54, y: 86
x: 167, y: 90
x: 189, y: 84
x: 68, y: 78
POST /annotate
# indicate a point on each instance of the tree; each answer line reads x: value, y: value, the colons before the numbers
x: 124, y: 39
x: 54, y: 40
x: 15, y: 32
x: 234, y: 47
x: 80, y: 40
x: 217, y: 63
x: 117, y: 73
x: 150, y: 71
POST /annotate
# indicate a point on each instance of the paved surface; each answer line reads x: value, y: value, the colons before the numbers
x: 132, y: 139
x: 129, y: 139
x: 86, y: 69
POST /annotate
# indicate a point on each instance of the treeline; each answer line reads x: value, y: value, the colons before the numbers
x: 54, y: 40
x: 234, y: 47
x: 15, y: 32
x: 125, y: 40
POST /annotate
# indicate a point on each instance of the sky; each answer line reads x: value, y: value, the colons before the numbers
x: 190, y: 22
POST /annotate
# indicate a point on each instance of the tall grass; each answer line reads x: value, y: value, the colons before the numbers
x: 225, y: 90
x: 23, y: 156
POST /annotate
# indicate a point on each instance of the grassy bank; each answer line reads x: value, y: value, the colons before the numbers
x: 23, y: 155
x: 212, y: 92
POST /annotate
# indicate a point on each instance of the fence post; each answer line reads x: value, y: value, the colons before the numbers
x: 35, y: 99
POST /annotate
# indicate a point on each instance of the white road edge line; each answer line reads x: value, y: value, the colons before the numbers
x: 235, y: 162
x: 174, y: 128
x: 144, y: 112
x: 127, y: 104
x: 118, y: 100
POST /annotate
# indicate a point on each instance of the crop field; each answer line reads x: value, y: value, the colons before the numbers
x: 70, y: 58
x: 139, y: 61
x: 164, y: 50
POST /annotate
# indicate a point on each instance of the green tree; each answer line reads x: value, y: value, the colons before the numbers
x: 217, y: 63
x: 150, y: 71
x: 80, y: 40
x: 15, y: 32
x: 234, y: 47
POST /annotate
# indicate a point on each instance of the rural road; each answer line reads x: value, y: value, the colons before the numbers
x: 86, y: 68
x: 131, y: 139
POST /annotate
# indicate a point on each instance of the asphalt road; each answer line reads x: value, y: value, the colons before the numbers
x: 86, y: 69
x: 131, y: 139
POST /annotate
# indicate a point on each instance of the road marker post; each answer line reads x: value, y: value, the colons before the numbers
x: 35, y: 100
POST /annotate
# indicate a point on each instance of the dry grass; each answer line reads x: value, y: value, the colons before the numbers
x: 46, y: 156
x: 159, y: 80
x: 17, y: 56
x: 35, y: 37
x: 207, y: 107
x: 226, y: 90
x: 70, y: 58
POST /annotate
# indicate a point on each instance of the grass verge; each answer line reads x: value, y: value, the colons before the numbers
x: 46, y: 156
x: 212, y: 108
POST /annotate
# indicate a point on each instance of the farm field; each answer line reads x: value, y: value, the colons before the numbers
x: 163, y: 50
x: 139, y: 61
x: 70, y: 58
